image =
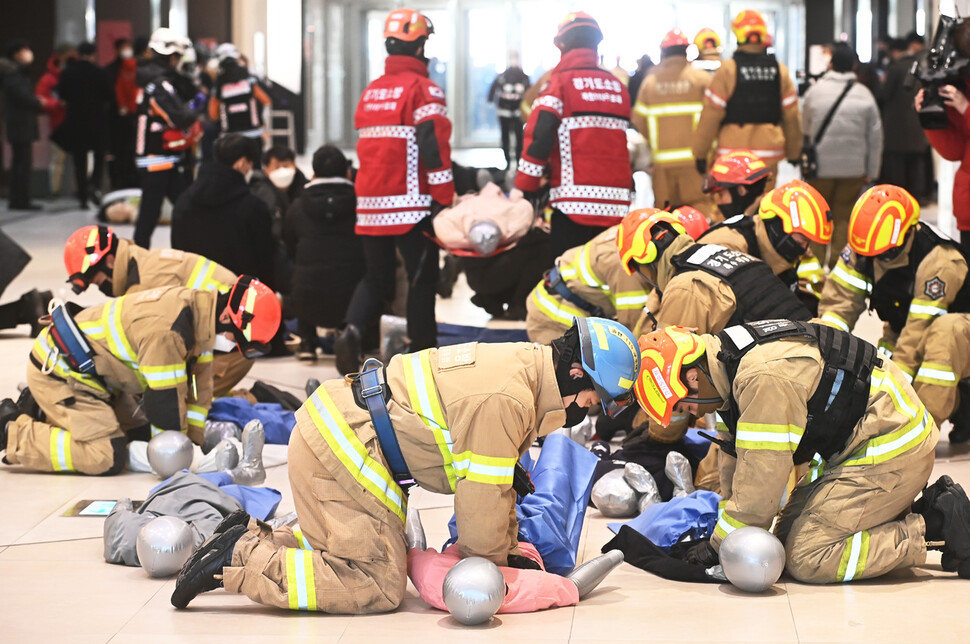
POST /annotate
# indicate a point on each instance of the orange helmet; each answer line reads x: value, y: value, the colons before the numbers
x: 407, y: 25
x: 693, y: 220
x: 880, y: 220
x: 255, y: 314
x: 84, y: 251
x: 674, y: 38
x: 707, y: 39
x: 801, y: 209
x: 663, y: 355
x: 749, y: 26
x: 573, y: 23
x: 741, y: 167
x: 635, y: 236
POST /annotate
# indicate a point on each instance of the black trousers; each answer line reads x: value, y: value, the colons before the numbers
x: 421, y: 263
x: 510, y: 126
x: 564, y: 233
x: 907, y: 170
x: 122, y: 172
x: 155, y: 186
x: 20, y: 162
x: 85, y: 184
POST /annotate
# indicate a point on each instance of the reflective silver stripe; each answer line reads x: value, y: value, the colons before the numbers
x: 854, y: 281
x: 430, y: 109
x: 595, y: 209
x: 404, y: 217
x: 672, y: 109
x: 151, y: 161
x: 601, y: 193
x: 855, y: 543
x: 440, y: 177
x: 838, y: 322
x: 926, y: 310
x: 714, y: 98
x: 936, y: 374
x: 548, y: 101
x: 62, y: 438
x: 394, y: 201
x: 531, y: 169
x: 386, y: 132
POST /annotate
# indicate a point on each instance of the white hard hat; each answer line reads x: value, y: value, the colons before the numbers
x: 227, y: 50
x: 166, y: 42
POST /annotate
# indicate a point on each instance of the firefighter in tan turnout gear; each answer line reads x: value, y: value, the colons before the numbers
x: 96, y: 255
x: 84, y: 370
x: 916, y: 280
x: 455, y: 420
x: 666, y: 112
x: 751, y: 104
x: 794, y: 393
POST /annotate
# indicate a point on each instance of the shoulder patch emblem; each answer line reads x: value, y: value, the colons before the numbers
x: 436, y: 91
x: 935, y: 288
x: 846, y: 254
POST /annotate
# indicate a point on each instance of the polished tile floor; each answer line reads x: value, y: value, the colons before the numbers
x: 55, y: 586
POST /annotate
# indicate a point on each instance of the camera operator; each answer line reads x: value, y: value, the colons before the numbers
x: 953, y: 144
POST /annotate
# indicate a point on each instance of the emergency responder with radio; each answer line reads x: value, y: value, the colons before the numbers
x: 793, y: 393
x: 429, y: 418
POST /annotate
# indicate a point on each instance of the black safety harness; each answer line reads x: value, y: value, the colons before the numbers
x: 554, y: 282
x: 842, y: 395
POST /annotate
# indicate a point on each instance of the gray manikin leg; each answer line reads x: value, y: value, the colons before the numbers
x: 592, y: 573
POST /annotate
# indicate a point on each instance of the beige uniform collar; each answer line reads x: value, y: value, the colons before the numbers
x: 665, y: 269
x: 769, y: 255
x: 119, y: 274
x: 550, y: 413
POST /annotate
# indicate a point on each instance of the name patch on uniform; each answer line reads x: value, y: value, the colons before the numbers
x: 457, y: 355
x: 935, y: 288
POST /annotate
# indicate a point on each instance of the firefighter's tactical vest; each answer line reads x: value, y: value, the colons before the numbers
x: 842, y: 395
x: 757, y: 93
x: 744, y: 224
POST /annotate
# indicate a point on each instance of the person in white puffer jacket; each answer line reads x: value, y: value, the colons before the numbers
x: 850, y: 152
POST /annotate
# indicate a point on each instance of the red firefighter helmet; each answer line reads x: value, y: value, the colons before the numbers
x: 84, y: 253
x: 407, y: 25
x: 741, y: 167
x: 577, y: 20
x: 255, y: 313
x: 694, y: 221
x: 674, y: 38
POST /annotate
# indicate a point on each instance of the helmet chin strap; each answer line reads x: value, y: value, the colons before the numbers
x: 703, y: 401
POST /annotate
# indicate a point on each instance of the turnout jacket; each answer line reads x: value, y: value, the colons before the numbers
x: 773, y: 139
x: 403, y: 149
x: 159, y: 108
x: 157, y: 343
x: 463, y: 415
x: 924, y: 289
x: 668, y: 108
x: 772, y: 387
x: 593, y: 273
x: 137, y: 269
x: 507, y: 91
x: 578, y: 128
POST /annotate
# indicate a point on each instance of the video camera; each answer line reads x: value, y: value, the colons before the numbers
x: 942, y: 64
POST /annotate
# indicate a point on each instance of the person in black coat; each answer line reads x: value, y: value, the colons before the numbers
x: 328, y: 256
x: 20, y: 107
x: 219, y: 218
x: 85, y: 88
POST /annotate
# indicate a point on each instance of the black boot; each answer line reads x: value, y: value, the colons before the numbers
x: 311, y: 385
x: 347, y: 350
x: 925, y: 506
x: 27, y: 405
x: 239, y: 517
x: 203, y: 571
x: 33, y: 305
x: 954, y: 506
x: 8, y: 412
x: 960, y: 432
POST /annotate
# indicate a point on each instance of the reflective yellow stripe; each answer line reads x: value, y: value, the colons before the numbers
x: 815, y: 469
x: 654, y: 113
x: 423, y: 395
x: 164, y: 376
x: 673, y: 155
x: 769, y: 436
x: 836, y: 320
x: 300, y: 586
x: 727, y: 524
x: 926, y: 309
x: 60, y: 449
x: 629, y: 300
x: 886, y: 348
x: 495, y: 470
x: 854, y: 556
x: 850, y: 279
x: 935, y: 373
x: 352, y: 453
x: 912, y: 434
x: 118, y: 343
x: 302, y: 539
x: 204, y: 357
x: 810, y: 270
x: 673, y: 109
x: 581, y: 268
x: 554, y: 307
x: 641, y: 108
x: 195, y: 415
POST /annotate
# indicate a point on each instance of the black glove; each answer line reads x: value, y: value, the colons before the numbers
x: 523, y: 563
x: 703, y: 554
x: 701, y: 165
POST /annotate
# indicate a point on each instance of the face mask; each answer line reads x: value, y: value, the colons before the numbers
x: 107, y: 288
x: 223, y: 344
x: 731, y: 209
x: 282, y: 178
x: 126, y: 53
x: 248, y: 176
x: 574, y: 414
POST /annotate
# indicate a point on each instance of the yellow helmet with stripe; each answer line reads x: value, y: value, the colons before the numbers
x: 801, y: 209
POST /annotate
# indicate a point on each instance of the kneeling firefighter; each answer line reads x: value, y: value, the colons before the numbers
x: 795, y: 392
x: 85, y: 368
x: 454, y: 420
x: 117, y: 266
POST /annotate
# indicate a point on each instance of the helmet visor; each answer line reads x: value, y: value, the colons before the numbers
x: 613, y: 406
x: 710, y: 184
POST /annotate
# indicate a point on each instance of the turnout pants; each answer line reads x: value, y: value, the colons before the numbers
x: 854, y: 522
x: 227, y: 370
x: 350, y: 556
x: 678, y: 186
x: 841, y: 195
x: 946, y: 360
x: 84, y: 432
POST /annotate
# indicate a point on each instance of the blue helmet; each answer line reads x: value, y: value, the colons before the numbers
x: 612, y: 360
